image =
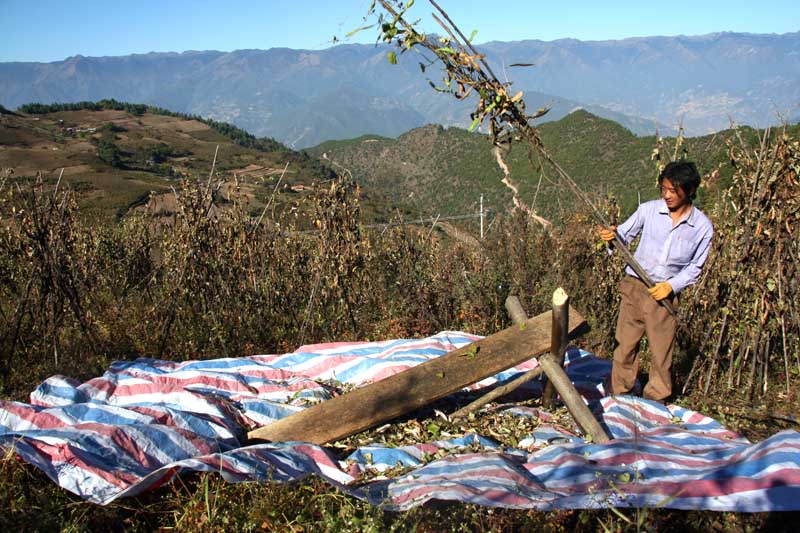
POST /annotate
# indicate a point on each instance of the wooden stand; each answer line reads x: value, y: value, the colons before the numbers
x: 418, y: 386
x: 552, y: 365
x: 518, y: 316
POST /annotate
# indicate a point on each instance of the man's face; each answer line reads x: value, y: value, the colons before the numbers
x: 673, y: 195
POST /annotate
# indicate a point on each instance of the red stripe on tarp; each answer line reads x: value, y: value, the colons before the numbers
x: 62, y: 453
x: 39, y: 419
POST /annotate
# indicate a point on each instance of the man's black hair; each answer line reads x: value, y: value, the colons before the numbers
x: 682, y: 174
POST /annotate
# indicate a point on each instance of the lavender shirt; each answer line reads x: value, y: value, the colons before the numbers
x: 674, y: 254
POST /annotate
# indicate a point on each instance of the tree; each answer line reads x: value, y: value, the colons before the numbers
x: 108, y: 152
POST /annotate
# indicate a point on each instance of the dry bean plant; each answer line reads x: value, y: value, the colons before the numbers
x: 744, y: 313
x: 206, y: 281
x: 209, y: 280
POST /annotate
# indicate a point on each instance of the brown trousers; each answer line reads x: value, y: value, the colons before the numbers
x: 639, y: 313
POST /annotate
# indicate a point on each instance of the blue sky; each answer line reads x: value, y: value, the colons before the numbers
x: 51, y: 30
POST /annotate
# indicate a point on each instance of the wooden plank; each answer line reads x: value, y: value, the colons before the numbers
x: 418, y: 386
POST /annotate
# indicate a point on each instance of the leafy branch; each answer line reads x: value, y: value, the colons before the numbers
x: 465, y: 72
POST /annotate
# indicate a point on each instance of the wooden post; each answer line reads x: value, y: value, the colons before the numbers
x: 515, y: 310
x: 569, y: 395
x: 552, y: 365
x: 418, y: 386
x: 558, y: 340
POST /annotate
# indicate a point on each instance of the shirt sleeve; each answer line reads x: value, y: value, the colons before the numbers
x: 629, y: 229
x: 691, y: 272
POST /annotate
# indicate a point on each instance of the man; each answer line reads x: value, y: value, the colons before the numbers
x: 676, y: 238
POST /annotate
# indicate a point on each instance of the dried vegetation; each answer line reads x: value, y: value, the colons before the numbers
x: 744, y: 314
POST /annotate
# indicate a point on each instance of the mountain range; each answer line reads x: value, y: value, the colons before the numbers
x: 304, y: 97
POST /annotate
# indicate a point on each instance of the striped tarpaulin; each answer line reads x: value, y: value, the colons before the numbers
x: 143, y: 422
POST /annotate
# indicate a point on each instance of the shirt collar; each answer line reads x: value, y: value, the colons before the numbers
x: 690, y: 219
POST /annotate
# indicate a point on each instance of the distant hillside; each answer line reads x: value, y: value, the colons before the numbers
x: 445, y: 170
x: 304, y: 97
x: 118, y: 155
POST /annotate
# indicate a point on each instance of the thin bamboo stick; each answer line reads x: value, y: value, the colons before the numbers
x: 716, y: 354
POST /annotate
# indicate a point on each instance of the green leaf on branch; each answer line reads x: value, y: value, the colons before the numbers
x: 389, y: 30
x: 472, y: 35
x: 391, y: 57
x: 438, y: 89
x: 362, y: 28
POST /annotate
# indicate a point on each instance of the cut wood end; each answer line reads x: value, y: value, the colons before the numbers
x: 560, y: 296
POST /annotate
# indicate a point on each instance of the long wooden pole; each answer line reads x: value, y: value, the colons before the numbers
x: 600, y: 219
x: 497, y: 392
x: 518, y: 120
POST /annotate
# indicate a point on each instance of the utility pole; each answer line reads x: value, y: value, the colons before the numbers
x: 482, y: 215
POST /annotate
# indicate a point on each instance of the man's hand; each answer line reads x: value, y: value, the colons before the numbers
x: 661, y: 290
x: 607, y: 234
